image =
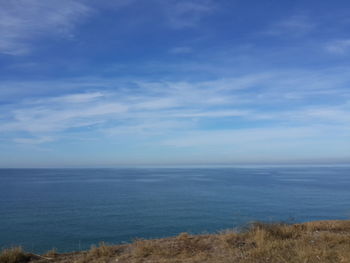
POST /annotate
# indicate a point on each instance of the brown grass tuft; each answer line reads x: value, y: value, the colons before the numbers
x: 99, y: 254
x: 13, y: 255
x: 51, y: 253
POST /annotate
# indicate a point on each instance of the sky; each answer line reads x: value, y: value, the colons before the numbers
x: 104, y: 83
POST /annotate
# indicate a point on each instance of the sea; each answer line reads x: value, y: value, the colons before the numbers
x: 73, y: 209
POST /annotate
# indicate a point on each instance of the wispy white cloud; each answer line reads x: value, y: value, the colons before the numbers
x: 159, y: 107
x: 296, y: 25
x: 321, y: 114
x: 339, y: 47
x: 79, y: 98
x: 49, y: 116
x: 149, y: 127
x: 240, y: 137
x: 211, y: 114
x: 181, y: 50
x: 22, y: 22
x: 38, y: 140
x: 187, y: 14
x: 270, y: 144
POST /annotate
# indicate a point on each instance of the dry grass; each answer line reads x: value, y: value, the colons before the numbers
x: 13, y: 255
x: 324, y: 241
x: 100, y: 254
x: 51, y: 253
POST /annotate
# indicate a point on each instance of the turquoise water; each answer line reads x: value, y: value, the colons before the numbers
x: 71, y: 209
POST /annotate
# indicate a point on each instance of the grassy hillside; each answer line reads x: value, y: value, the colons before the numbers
x: 321, y: 241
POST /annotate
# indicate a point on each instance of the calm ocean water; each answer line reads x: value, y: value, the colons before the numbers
x: 71, y: 209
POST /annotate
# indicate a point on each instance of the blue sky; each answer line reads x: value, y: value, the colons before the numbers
x: 87, y: 83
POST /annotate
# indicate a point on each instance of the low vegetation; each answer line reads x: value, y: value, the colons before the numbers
x: 14, y: 255
x: 322, y: 241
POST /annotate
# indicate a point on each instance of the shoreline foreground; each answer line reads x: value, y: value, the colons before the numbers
x: 317, y: 241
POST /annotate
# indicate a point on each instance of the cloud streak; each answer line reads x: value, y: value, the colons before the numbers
x: 296, y: 26
x: 159, y: 107
x: 339, y: 47
x: 187, y: 14
x: 22, y: 22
